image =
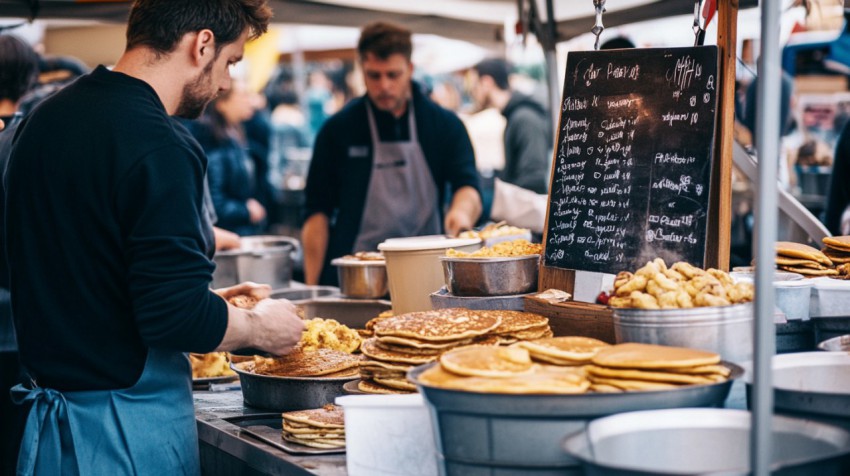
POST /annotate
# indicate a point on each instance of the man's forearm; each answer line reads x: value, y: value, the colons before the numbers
x: 314, y: 238
x: 467, y: 201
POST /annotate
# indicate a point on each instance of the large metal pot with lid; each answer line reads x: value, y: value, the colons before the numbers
x: 263, y: 259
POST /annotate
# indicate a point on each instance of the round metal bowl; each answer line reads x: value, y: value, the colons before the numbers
x: 489, y: 433
x: 726, y: 330
x: 288, y: 393
x: 261, y: 259
x: 836, y: 344
x: 361, y: 279
x: 691, y: 441
x: 491, y: 276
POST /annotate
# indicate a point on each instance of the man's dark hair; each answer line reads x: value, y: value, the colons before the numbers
x: 383, y: 40
x: 160, y: 24
x: 496, y: 68
x: 18, y: 68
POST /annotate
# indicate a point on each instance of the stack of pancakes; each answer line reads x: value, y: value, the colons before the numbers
x: 837, y: 249
x: 404, y: 341
x: 805, y: 260
x: 321, y: 363
x: 507, y: 370
x: 319, y: 428
x: 632, y: 366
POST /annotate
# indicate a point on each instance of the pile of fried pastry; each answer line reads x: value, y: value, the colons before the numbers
x: 655, y: 286
x: 402, y: 342
x: 322, y: 428
x: 573, y: 365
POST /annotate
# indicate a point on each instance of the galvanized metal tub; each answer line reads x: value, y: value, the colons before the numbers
x: 491, y: 276
x: 506, y: 435
x: 288, y: 393
x: 704, y: 441
x: 726, y: 330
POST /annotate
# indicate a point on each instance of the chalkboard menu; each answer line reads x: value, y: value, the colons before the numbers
x: 633, y: 157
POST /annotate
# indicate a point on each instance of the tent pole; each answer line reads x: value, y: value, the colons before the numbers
x: 767, y: 144
x: 550, y: 51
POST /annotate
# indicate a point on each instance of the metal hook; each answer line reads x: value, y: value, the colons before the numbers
x: 598, y: 27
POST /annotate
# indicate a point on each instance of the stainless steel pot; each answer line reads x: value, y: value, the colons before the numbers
x: 361, y: 279
x: 704, y: 441
x: 288, y: 393
x: 264, y: 259
x: 498, y: 276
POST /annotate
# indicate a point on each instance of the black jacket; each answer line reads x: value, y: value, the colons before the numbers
x: 528, y: 143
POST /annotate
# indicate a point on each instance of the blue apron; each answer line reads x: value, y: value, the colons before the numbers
x: 148, y: 428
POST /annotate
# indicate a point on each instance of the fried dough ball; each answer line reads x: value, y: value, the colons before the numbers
x: 622, y: 278
x: 668, y: 300
x: 686, y: 269
x: 643, y: 301
x: 740, y: 292
x: 637, y: 283
x: 706, y: 299
x: 721, y: 276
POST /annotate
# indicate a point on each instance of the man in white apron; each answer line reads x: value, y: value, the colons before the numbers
x: 108, y: 246
x: 381, y: 166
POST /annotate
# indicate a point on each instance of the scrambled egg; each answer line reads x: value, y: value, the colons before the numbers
x: 329, y: 334
x: 214, y: 364
x: 503, y: 249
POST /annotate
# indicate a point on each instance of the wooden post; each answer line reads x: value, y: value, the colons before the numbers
x: 720, y: 208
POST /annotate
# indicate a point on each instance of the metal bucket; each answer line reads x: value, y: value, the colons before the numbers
x: 507, y: 435
x: 814, y: 385
x: 726, y: 330
x: 704, y: 441
x: 288, y: 393
x: 261, y: 259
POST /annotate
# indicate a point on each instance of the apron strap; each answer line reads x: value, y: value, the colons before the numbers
x: 373, y: 127
x: 47, y: 436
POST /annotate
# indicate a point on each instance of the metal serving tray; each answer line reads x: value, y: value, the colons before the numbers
x: 267, y: 428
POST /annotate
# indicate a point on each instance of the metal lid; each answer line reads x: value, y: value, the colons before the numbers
x: 430, y: 242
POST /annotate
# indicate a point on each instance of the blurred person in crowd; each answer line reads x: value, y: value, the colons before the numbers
x: 18, y: 75
x: 527, y: 137
x: 837, y: 215
x: 258, y: 134
x: 105, y: 315
x: 381, y: 167
x: 231, y: 171
x: 319, y: 96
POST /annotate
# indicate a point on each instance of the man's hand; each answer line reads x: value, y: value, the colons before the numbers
x: 258, y: 291
x: 256, y: 211
x: 277, y: 327
x: 464, y: 212
x: 225, y: 240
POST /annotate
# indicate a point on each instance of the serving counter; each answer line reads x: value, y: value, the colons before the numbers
x: 225, y: 450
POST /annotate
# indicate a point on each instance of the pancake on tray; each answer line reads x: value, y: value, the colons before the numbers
x: 648, y: 356
x: 370, y: 349
x: 799, y: 250
x: 368, y: 386
x: 840, y: 243
x: 564, y: 350
x: 317, y: 428
x: 486, y: 361
x: 539, y: 381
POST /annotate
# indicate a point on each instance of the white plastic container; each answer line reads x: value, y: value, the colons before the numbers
x: 414, y: 270
x: 388, y: 435
x: 830, y: 298
x: 793, y: 298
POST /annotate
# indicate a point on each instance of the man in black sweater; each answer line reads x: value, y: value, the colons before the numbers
x: 109, y: 249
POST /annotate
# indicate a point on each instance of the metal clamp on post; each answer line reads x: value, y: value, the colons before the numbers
x: 699, y: 23
x: 598, y: 27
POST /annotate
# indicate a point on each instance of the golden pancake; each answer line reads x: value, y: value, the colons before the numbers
x: 629, y: 374
x: 604, y: 388
x: 316, y: 436
x: 438, y: 326
x: 369, y: 348
x: 515, y: 321
x: 719, y: 369
x: 407, y: 350
x: 352, y: 372
x: 631, y: 385
x: 536, y: 382
x: 541, y: 332
x: 559, y: 362
x: 368, y: 386
x: 580, y: 349
x: 803, y: 263
x: 329, y: 416
x: 396, y: 383
x: 799, y: 250
x: 312, y: 431
x: 302, y: 364
x: 378, y: 365
x: 483, y: 361
x: 504, y: 340
x: 370, y: 325
x: 322, y: 443
x: 838, y: 242
x: 373, y: 374
x: 649, y: 356
x: 421, y: 344
x: 809, y: 271
x: 485, y: 340
x: 837, y: 257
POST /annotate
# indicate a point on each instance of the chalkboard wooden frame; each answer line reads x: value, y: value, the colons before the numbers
x: 619, y: 67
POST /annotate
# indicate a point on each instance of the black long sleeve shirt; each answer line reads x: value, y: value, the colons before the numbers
x: 106, y: 236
